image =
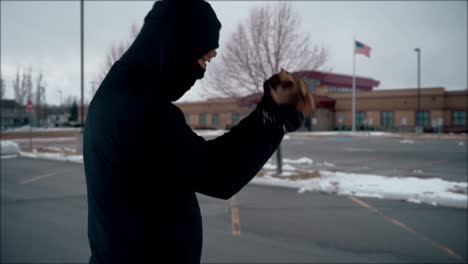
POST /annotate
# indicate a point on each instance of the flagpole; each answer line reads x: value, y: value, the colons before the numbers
x: 354, y: 87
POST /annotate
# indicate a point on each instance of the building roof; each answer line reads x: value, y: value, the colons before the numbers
x: 339, y: 80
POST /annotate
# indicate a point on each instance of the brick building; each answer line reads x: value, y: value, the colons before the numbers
x: 389, y: 109
x: 216, y: 113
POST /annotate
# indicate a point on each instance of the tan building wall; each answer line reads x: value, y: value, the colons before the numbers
x: 324, y: 119
x: 401, y: 102
x: 225, y: 109
x: 403, y: 117
x: 321, y: 90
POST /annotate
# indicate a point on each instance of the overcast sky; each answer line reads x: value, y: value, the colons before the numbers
x: 46, y: 35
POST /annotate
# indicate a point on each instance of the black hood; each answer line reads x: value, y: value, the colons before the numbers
x: 175, y: 34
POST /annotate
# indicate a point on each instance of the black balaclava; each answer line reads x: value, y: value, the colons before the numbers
x: 175, y: 34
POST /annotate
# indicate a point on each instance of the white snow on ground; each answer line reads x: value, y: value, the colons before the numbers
x: 269, y: 166
x: 44, y: 140
x: 406, y: 141
x: 328, y: 164
x: 8, y: 147
x: 288, y: 167
x: 41, y: 129
x: 302, y: 160
x: 429, y: 191
x: 8, y: 156
x: 210, y: 132
x: 53, y: 156
x: 350, y: 133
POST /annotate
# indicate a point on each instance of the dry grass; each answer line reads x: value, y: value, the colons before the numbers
x: 458, y: 189
x: 66, y: 152
x: 38, y: 134
x: 297, y: 175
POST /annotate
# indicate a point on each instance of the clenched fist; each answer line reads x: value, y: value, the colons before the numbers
x: 286, y: 89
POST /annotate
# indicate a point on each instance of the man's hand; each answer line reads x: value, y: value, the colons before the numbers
x: 286, y: 89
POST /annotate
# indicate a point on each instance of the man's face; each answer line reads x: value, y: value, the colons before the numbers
x: 206, y: 58
x: 192, y: 72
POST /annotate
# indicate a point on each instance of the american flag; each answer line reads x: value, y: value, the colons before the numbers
x: 361, y: 48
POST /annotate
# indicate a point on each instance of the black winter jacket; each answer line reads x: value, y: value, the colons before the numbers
x: 144, y: 164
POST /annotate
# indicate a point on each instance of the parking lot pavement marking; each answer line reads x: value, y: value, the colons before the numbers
x: 410, y: 230
x: 234, y: 217
x: 38, y: 178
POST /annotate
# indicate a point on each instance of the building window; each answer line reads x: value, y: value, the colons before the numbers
x: 343, y: 90
x: 332, y: 89
x: 235, y: 118
x: 312, y: 83
x: 202, y: 119
x: 387, y: 119
x: 459, y: 118
x: 360, y: 116
x: 215, y: 119
x: 422, y: 119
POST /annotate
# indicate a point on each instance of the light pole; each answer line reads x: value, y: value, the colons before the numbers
x: 418, y: 111
x: 82, y: 64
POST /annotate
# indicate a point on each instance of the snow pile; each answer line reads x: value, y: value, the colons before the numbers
x: 350, y: 133
x: 429, y: 191
x: 269, y: 166
x: 40, y: 129
x: 45, y: 139
x: 288, y: 170
x: 210, y: 132
x: 288, y: 167
x: 302, y: 160
x: 9, y: 148
x: 406, y: 141
x: 53, y: 156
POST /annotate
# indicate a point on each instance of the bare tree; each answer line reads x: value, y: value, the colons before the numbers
x: 22, y: 86
x: 266, y: 42
x: 39, y: 97
x: 115, y: 52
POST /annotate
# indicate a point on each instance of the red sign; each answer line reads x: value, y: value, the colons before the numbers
x: 29, y: 106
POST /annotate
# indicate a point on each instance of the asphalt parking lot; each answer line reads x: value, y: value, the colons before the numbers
x: 43, y: 219
x: 417, y: 157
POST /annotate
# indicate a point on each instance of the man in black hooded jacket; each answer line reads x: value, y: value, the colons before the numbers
x: 143, y: 163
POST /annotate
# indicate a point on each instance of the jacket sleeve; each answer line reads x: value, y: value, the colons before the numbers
x: 222, y: 166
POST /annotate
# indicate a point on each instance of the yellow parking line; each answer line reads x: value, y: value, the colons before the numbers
x: 235, y: 220
x: 409, y: 230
